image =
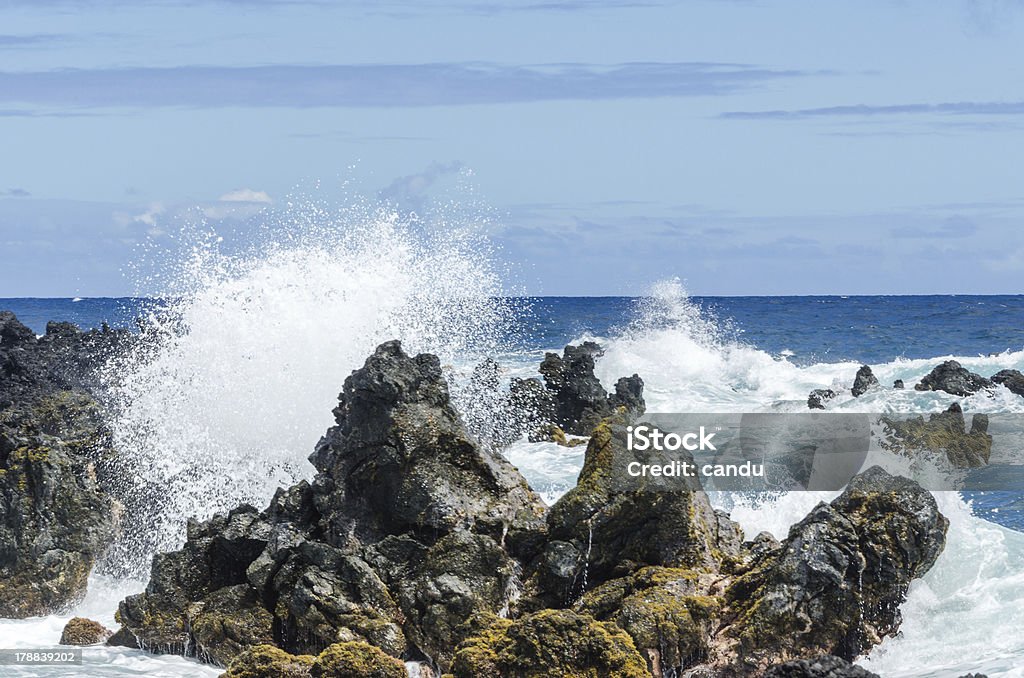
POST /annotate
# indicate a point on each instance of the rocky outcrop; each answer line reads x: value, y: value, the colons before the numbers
x: 413, y: 542
x: 578, y: 401
x: 818, y: 397
x: 1011, y: 379
x: 409, y: 528
x: 898, y: 384
x: 822, y: 667
x: 835, y: 586
x: 549, y: 643
x: 944, y: 432
x: 863, y: 381
x: 604, y: 528
x: 952, y: 378
x: 55, y: 518
x: 82, y: 631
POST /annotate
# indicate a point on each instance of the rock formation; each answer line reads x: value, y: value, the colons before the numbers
x: 952, y: 378
x: 818, y: 397
x: 944, y: 432
x: 55, y: 518
x: 1011, y: 379
x: 864, y: 380
x: 414, y: 542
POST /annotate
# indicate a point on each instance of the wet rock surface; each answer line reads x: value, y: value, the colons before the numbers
x: 818, y: 397
x: 578, y: 401
x: 863, y: 381
x: 414, y: 542
x: 82, y: 631
x: 821, y: 667
x: 835, y: 585
x: 409, y: 528
x: 953, y: 378
x: 56, y: 520
x: 1011, y: 379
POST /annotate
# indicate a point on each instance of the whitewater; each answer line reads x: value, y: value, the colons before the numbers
x: 228, y: 397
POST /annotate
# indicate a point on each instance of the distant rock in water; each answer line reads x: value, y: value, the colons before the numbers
x: 944, y: 432
x: 952, y: 378
x: 864, y: 380
x: 898, y: 384
x: 1011, y: 379
x: 578, y: 398
x: 822, y: 667
x: 817, y: 398
x: 56, y: 519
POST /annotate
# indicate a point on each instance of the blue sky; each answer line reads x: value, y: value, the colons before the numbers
x: 747, y: 147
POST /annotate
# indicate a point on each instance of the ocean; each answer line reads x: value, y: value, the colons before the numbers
x: 240, y: 397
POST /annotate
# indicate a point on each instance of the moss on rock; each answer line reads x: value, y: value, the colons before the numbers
x: 356, y: 660
x: 549, y: 644
x: 267, y: 661
x: 663, y: 611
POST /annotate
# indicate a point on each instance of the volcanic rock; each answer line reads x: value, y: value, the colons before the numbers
x: 549, y: 643
x: 942, y: 432
x: 835, y: 586
x: 603, y: 528
x: 952, y: 378
x: 816, y: 399
x: 1011, y: 379
x: 82, y: 631
x: 864, y: 380
x: 822, y: 667
x: 409, y: 528
x: 580, y: 401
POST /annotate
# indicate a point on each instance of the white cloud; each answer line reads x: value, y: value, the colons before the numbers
x: 246, y: 195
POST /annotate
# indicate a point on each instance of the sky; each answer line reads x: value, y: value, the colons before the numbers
x: 746, y: 147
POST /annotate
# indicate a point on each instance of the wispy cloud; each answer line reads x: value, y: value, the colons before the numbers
x: 15, y: 193
x: 33, y: 40
x: 410, y: 191
x: 952, y: 108
x: 379, y: 85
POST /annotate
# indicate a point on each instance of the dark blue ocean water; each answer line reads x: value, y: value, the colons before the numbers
x: 870, y: 329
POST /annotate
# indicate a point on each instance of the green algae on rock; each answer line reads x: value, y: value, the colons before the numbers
x: 547, y: 644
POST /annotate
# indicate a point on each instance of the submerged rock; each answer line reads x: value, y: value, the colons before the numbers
x: 835, y: 586
x: 82, y: 631
x: 952, y: 378
x: 864, y: 380
x: 1011, y: 379
x: 817, y: 398
x: 549, y: 643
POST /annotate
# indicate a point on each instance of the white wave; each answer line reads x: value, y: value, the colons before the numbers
x: 253, y: 353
